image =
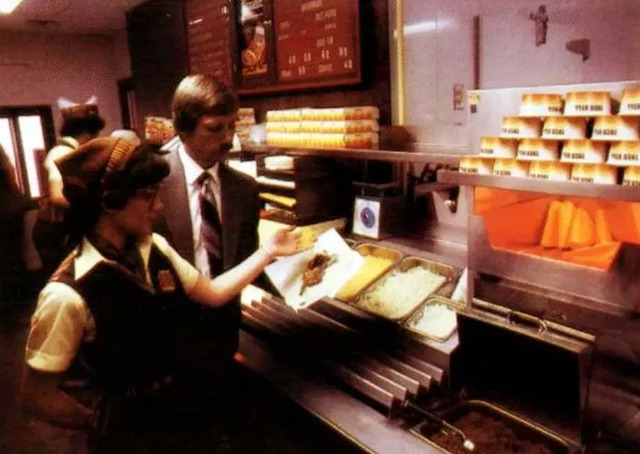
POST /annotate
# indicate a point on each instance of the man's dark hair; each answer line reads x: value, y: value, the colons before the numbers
x: 198, y: 95
x: 75, y: 126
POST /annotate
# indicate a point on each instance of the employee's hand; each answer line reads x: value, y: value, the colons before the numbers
x: 283, y: 242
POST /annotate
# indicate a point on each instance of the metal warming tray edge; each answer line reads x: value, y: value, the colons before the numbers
x: 525, y: 365
x: 527, y: 432
x: 405, y: 264
x: 370, y: 249
x: 415, y: 317
x: 351, y: 242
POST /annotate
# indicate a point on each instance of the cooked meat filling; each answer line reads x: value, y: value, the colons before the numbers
x: 314, y: 272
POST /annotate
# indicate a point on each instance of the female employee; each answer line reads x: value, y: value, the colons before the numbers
x: 112, y: 324
x: 80, y: 123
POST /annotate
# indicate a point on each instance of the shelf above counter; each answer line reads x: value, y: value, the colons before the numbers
x: 571, y: 188
x: 446, y: 155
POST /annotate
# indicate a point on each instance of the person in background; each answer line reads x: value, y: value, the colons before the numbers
x: 211, y: 211
x: 108, y: 342
x: 80, y: 123
x: 12, y: 208
x: 128, y: 134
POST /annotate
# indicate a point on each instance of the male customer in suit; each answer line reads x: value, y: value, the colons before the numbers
x: 204, y: 112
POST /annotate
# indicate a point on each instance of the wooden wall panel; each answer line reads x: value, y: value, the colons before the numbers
x: 158, y: 51
x: 159, y: 59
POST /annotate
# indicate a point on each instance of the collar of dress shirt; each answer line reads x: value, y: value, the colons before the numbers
x: 88, y: 256
x: 192, y: 169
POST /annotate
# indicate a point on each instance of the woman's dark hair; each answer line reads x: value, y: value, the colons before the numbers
x: 198, y: 95
x: 75, y: 126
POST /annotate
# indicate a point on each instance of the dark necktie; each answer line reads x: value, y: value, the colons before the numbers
x: 211, y: 229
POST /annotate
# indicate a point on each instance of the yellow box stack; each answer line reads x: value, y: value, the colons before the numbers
x: 575, y: 137
x: 344, y: 127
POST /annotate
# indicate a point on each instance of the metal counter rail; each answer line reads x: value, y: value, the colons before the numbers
x: 414, y: 387
x: 387, y: 376
x: 358, y: 422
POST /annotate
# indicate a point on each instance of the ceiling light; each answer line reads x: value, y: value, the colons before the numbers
x: 7, y: 6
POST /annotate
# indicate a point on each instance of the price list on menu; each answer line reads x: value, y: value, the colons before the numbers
x: 316, y: 40
x: 208, y: 35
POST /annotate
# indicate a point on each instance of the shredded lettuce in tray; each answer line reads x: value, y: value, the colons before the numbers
x: 400, y: 292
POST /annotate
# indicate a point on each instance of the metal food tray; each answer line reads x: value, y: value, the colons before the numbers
x: 350, y: 241
x: 435, y: 299
x: 403, y: 265
x: 524, y: 429
x: 377, y: 251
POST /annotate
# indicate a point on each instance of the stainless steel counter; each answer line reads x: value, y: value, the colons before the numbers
x: 309, y: 386
x: 364, y: 426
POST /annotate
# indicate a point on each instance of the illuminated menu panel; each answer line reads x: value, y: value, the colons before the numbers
x: 208, y: 36
x: 316, y: 40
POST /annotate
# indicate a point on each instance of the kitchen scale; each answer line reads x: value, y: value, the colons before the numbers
x: 379, y: 210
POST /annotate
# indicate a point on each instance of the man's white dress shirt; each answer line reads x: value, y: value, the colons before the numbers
x: 192, y: 172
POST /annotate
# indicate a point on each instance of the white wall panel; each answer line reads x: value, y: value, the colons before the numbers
x: 437, y: 59
x: 39, y: 68
x: 421, y: 57
x: 510, y: 58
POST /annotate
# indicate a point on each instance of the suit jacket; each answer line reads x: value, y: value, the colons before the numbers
x: 240, y: 209
x: 240, y: 213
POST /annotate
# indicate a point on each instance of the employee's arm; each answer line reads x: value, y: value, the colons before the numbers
x: 42, y: 397
x: 58, y: 326
x: 225, y: 287
x: 54, y: 178
x: 56, y: 195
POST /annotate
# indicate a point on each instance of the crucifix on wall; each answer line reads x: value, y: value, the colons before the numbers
x: 541, y: 19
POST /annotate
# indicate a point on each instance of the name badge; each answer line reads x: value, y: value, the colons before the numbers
x: 166, y: 281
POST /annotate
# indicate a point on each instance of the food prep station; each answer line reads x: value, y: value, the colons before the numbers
x: 543, y: 353
x: 492, y: 364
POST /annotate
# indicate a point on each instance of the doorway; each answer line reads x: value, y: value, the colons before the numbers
x: 25, y: 135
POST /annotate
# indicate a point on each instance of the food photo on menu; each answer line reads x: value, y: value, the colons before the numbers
x: 321, y: 271
x: 253, y: 39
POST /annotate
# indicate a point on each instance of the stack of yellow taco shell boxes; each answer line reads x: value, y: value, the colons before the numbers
x: 341, y: 127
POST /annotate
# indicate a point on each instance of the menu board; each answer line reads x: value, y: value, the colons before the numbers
x: 317, y: 40
x: 275, y: 45
x: 210, y: 47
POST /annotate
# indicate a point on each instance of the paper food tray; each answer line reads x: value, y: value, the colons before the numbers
x: 286, y: 273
